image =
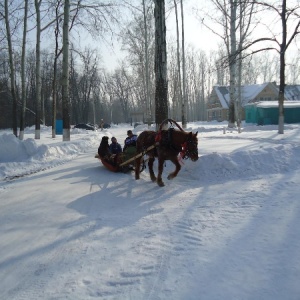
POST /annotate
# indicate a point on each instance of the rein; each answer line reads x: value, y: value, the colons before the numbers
x: 158, y: 136
x: 171, y: 122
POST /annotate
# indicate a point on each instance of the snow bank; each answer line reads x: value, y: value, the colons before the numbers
x: 267, y: 152
x: 19, y: 158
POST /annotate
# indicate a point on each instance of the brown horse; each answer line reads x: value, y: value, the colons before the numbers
x: 168, y: 144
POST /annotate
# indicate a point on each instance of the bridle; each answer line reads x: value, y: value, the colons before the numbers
x: 186, y: 152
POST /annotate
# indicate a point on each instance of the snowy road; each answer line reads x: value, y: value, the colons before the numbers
x: 78, y: 231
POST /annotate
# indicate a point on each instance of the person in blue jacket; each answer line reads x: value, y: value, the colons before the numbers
x: 130, y: 140
x: 115, y: 147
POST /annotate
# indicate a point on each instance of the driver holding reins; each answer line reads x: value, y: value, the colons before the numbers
x: 130, y: 140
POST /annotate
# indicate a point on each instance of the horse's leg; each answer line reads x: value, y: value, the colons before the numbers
x: 178, y: 167
x: 150, y: 166
x: 160, y: 170
x: 138, y: 167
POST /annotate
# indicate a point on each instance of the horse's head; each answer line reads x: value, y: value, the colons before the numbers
x: 192, y: 146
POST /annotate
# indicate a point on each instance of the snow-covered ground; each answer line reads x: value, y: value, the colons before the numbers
x: 226, y: 228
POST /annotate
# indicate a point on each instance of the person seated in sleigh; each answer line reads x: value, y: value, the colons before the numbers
x: 115, y: 147
x: 130, y: 144
x: 104, y: 152
x: 115, y: 150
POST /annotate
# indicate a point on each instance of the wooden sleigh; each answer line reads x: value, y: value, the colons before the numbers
x: 124, y: 162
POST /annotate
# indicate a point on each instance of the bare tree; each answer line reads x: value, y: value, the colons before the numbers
x: 12, y: 68
x: 285, y: 42
x: 120, y: 85
x: 161, y: 84
x: 285, y: 14
x: 293, y: 71
x: 138, y: 41
x: 37, y: 4
x: 57, y: 53
x: 93, y: 17
x: 179, y: 81
x: 147, y: 66
x: 184, y: 92
x: 83, y: 86
x: 236, y: 22
x: 23, y: 80
x: 65, y: 74
x: 232, y: 57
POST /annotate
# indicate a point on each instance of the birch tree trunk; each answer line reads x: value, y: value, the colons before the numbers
x: 282, y: 70
x: 65, y: 74
x: 38, y: 70
x: 54, y: 88
x: 178, y: 63
x: 23, y: 81
x: 12, y: 70
x: 161, y: 84
x: 245, y: 17
x: 232, y: 63
x: 238, y: 103
x: 54, y: 82
x: 147, y: 67
x: 184, y: 100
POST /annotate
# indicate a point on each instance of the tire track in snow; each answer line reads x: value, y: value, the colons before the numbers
x: 63, y: 254
x: 148, y: 258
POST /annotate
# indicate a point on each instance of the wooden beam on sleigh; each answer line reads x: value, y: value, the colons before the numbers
x: 137, y: 156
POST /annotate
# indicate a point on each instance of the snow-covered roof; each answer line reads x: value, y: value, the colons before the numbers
x: 292, y: 92
x: 286, y: 104
x: 223, y: 95
x: 250, y: 92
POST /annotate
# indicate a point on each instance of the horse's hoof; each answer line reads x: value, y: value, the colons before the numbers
x: 153, y: 178
x: 170, y: 176
x: 160, y: 183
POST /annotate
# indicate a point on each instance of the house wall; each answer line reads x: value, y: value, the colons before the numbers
x: 217, y: 115
x: 214, y: 106
x: 269, y: 115
x: 267, y: 94
x: 215, y: 111
x: 250, y: 114
x: 292, y: 115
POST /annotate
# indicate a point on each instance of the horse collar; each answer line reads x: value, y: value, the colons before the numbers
x: 158, y: 137
x: 183, y: 153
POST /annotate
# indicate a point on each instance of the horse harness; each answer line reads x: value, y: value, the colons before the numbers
x: 166, y: 140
